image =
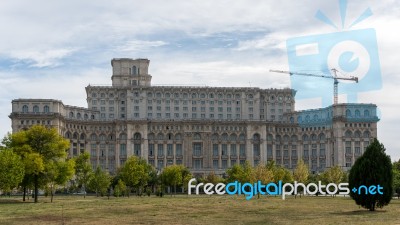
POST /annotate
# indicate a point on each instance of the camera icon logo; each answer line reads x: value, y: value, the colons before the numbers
x: 352, y: 53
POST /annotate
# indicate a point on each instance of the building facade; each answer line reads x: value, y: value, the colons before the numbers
x: 204, y: 128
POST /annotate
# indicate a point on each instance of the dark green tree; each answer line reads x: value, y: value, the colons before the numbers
x: 83, y: 171
x: 374, y: 167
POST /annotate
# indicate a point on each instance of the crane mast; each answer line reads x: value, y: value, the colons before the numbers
x: 334, y: 77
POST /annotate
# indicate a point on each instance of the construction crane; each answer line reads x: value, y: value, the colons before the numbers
x: 335, y: 79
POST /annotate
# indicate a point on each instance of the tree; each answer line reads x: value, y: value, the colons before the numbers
x: 172, y: 176
x: 119, y: 189
x: 100, y: 182
x: 240, y: 173
x: 396, y: 178
x: 333, y: 175
x: 374, y: 167
x: 135, y: 173
x: 83, y: 171
x: 301, y: 173
x: 58, y: 173
x: 11, y: 170
x: 40, y: 144
x: 213, y: 178
x: 263, y: 174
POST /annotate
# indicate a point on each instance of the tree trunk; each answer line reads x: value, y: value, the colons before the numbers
x: 36, y: 183
x: 23, y: 196
x: 51, y: 189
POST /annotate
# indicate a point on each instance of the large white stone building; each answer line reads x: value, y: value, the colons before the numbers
x: 204, y: 128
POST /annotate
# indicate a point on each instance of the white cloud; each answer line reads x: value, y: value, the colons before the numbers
x: 139, y: 45
x: 46, y: 58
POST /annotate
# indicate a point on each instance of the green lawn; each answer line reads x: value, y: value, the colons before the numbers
x: 185, y: 209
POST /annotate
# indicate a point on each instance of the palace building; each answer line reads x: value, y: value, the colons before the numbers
x: 204, y: 128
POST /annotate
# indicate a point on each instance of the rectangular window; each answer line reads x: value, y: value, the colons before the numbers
x: 215, y: 164
x: 198, y: 164
x: 122, y: 149
x: 242, y: 150
x: 178, y: 149
x: 197, y: 149
x: 233, y: 149
x: 224, y: 149
x: 269, y: 151
x: 151, y: 149
x: 137, y: 149
x: 224, y: 164
x: 160, y: 164
x: 160, y: 150
x: 215, y: 150
x: 169, y: 150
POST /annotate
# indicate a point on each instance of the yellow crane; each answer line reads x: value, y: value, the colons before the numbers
x: 335, y: 79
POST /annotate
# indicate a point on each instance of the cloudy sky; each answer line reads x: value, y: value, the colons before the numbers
x: 53, y: 49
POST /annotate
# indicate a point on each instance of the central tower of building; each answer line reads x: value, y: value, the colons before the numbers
x: 130, y: 72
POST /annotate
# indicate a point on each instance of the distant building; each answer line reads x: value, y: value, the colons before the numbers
x: 204, y: 128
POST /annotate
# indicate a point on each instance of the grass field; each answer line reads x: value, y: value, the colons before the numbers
x: 185, y: 209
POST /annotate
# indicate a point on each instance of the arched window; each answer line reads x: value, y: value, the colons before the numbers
x: 93, y: 137
x: 286, y: 138
x: 75, y: 136
x: 348, y: 134
x: 256, y: 137
x: 46, y: 109
x: 313, y: 137
x: 193, y: 95
x: 233, y: 137
x: 71, y: 115
x: 278, y: 138
x: 68, y: 135
x: 92, y: 117
x: 102, y: 137
x: 224, y: 137
x: 150, y: 136
x: 197, y: 137
x: 78, y: 115
x: 82, y: 137
x: 134, y: 70
x: 322, y: 137
x: 170, y: 136
x: 307, y: 118
x: 357, y: 113
x: 291, y: 120
x: 137, y: 136
x: 250, y: 96
x: 25, y: 109
x: 293, y: 138
x: 158, y: 95
x: 305, y: 137
x: 178, y: 137
x: 122, y: 136
x: 357, y: 134
x: 366, y: 113
x: 86, y: 116
x: 315, y: 117
x: 214, y: 137
x: 242, y: 137
x: 35, y: 109
x: 270, y: 137
x: 366, y: 134
x: 348, y: 113
x: 160, y: 136
x: 299, y: 119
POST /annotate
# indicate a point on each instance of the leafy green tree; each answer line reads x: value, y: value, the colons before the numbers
x: 396, y: 178
x: 173, y: 176
x: 263, y: 174
x: 58, y: 173
x: 119, y: 189
x: 374, y: 167
x: 240, y: 173
x: 83, y: 171
x: 135, y: 173
x: 11, y: 170
x: 213, y: 178
x: 40, y: 144
x: 301, y: 173
x: 100, y: 182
